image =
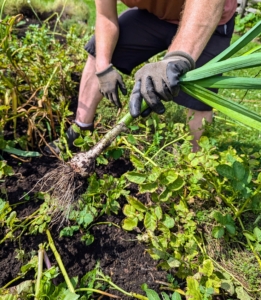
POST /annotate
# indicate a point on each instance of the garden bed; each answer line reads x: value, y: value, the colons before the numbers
x: 120, y: 255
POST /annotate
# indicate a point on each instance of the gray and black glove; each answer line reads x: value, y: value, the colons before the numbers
x: 159, y: 81
x: 110, y: 80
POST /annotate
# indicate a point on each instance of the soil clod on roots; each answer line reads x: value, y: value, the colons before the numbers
x: 63, y: 184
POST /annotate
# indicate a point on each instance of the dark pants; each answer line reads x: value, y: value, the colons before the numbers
x: 143, y: 35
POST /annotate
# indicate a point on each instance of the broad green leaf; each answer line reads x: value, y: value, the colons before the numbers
x: 257, y: 247
x: 173, y: 263
x: 160, y: 254
x: 137, y: 163
x: 165, y: 195
x: 129, y: 211
x: 31, y: 264
x: 228, y: 286
x: 239, y: 170
x: 67, y: 295
x: 177, y: 184
x: 218, y: 232
x: 154, y: 175
x: 165, y: 230
x: 152, y: 295
x: 176, y: 296
x: 116, y: 153
x: 225, y: 171
x: 136, y: 177
x: 235, y: 63
x: 79, y: 142
x: 85, y: 218
x: 88, y: 239
x: 259, y: 178
x: 204, y: 142
x: 257, y: 234
x: 249, y: 236
x: 195, y: 162
x: 129, y: 223
x: 22, y: 153
x: 193, y: 288
x: 69, y: 231
x: 24, y: 287
x: 242, y: 294
x: 232, y: 109
x: 168, y: 177
x: 131, y: 139
x: 218, y: 217
x: 207, y: 268
x: 165, y: 296
x: 148, y: 187
x: 168, y: 221
x: 227, y: 219
x: 231, y: 228
x: 158, y: 212
x: 238, y: 185
x: 136, y: 204
x: 150, y: 221
x: 225, y: 82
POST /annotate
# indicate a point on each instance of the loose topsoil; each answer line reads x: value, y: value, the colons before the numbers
x: 120, y: 255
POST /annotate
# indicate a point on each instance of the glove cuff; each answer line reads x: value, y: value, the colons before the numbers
x: 105, y: 71
x: 183, y: 55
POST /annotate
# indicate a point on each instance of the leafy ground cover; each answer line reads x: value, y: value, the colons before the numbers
x: 153, y: 220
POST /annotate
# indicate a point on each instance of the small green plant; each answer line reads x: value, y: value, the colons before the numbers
x: 242, y: 24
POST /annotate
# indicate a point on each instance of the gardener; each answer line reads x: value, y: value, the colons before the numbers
x: 192, y: 32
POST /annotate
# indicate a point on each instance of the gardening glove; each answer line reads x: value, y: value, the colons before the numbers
x: 159, y: 81
x: 110, y: 80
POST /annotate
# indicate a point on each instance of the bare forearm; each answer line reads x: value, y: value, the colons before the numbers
x: 106, y: 32
x: 199, y: 20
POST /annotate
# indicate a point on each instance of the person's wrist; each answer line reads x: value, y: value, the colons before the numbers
x: 183, y: 55
x: 105, y: 70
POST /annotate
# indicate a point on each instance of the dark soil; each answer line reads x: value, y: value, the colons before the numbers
x: 119, y: 254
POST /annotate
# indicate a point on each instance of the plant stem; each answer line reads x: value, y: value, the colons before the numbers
x: 59, y: 17
x: 240, y: 211
x: 39, y: 273
x: 138, y: 296
x: 138, y: 151
x: 97, y: 291
x: 168, y: 144
x: 35, y: 13
x: 2, y: 9
x: 47, y: 261
x: 12, y: 281
x: 59, y: 261
x: 134, y: 295
x: 115, y: 286
x: 19, y: 226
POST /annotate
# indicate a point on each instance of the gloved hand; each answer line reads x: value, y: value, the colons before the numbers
x: 110, y: 80
x: 159, y: 81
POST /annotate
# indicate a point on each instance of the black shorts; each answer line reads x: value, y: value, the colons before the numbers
x: 143, y: 35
